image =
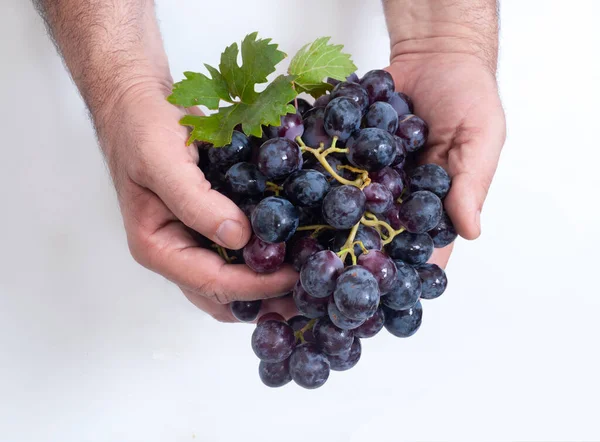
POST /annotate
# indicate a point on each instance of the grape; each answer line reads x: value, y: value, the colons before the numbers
x: 273, y: 341
x: 309, y: 367
x: 383, y: 116
x: 274, y: 374
x: 434, y: 281
x: 245, y: 311
x: 444, y: 233
x: 430, y: 177
x: 290, y: 127
x: 344, y: 206
x: 314, y: 130
x: 351, y: 78
x: 319, y: 273
x: 401, y: 103
x: 400, y: 158
x: 365, y: 234
x: 279, y: 157
x: 247, y: 206
x: 413, y: 248
x: 339, y: 319
x: 414, y: 131
x: 307, y: 305
x: 371, y: 149
x: 237, y: 151
x: 348, y: 360
x: 298, y: 323
x: 420, y: 212
x: 272, y: 316
x: 379, y: 85
x: 371, y: 326
x: 274, y: 219
x: 246, y: 179
x: 391, y: 216
x: 332, y: 339
x: 216, y: 177
x: 390, y: 179
x: 304, y: 106
x: 342, y: 117
x: 356, y: 293
x: 306, y: 187
x: 354, y: 91
x: 302, y: 248
x: 404, y: 323
x: 407, y: 290
x: 379, y: 198
x: 264, y: 257
x: 382, y: 267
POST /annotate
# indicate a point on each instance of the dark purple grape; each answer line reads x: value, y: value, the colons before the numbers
x: 401, y: 104
x: 400, y: 158
x: 306, y: 187
x: 352, y: 78
x: 379, y: 198
x: 301, y: 249
x: 344, y: 206
x: 274, y: 374
x: 379, y: 85
x: 246, y: 179
x: 314, y: 130
x: 430, y: 177
x: 247, y: 206
x: 216, y: 177
x: 279, y: 157
x: 367, y: 235
x: 319, y: 273
x: 245, y: 311
x: 290, y: 127
x: 414, y: 131
x: 273, y: 341
x: 297, y: 323
x: 339, y: 319
x: 275, y: 219
x: 382, y: 116
x: 272, y: 316
x: 371, y: 326
x: 309, y: 367
x: 237, y: 151
x: 356, y: 293
x: 304, y: 106
x: 420, y: 212
x: 444, y: 233
x: 322, y: 101
x: 347, y: 360
x: 407, y: 290
x: 390, y: 179
x: 332, y: 339
x: 391, y: 216
x: 412, y: 248
x: 354, y: 91
x: 382, y: 267
x: 264, y: 257
x: 342, y: 117
x: 371, y: 149
x: 404, y: 323
x: 433, y: 279
x: 307, y: 305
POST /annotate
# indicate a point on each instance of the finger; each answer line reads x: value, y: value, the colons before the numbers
x: 220, y: 312
x: 441, y: 256
x: 284, y: 306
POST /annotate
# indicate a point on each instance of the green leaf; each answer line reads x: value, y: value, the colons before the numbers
x: 266, y: 108
x: 198, y: 89
x: 318, y: 60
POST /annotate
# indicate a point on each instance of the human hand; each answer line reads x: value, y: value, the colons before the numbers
x: 161, y: 190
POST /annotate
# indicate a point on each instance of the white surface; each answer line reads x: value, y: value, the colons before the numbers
x: 95, y: 348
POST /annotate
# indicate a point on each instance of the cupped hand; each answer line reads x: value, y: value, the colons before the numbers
x: 162, y: 192
x: 457, y: 95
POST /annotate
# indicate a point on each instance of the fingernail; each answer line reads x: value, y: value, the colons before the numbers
x: 230, y: 233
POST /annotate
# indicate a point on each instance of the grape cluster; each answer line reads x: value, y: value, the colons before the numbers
x: 333, y: 191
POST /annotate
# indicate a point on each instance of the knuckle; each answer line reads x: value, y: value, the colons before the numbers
x: 189, y: 209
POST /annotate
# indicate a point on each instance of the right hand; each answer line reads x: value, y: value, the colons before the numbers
x: 161, y: 190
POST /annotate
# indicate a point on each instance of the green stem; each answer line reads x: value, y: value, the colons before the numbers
x: 348, y: 246
x: 300, y: 333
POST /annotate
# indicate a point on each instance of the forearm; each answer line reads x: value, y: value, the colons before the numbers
x: 420, y: 26
x: 109, y: 46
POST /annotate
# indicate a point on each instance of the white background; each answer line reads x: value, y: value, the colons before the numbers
x: 95, y: 348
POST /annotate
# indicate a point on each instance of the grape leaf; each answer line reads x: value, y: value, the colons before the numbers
x: 198, y: 89
x: 266, y: 108
x: 318, y: 60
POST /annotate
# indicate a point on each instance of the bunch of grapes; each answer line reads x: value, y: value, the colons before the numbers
x: 335, y: 191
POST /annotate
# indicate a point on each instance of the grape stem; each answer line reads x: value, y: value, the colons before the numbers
x: 348, y: 247
x: 274, y: 188
x: 318, y: 228
x: 300, y: 333
x: 373, y: 221
x: 223, y: 253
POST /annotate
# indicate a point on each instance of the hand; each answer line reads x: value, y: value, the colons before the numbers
x: 457, y: 95
x: 161, y: 190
